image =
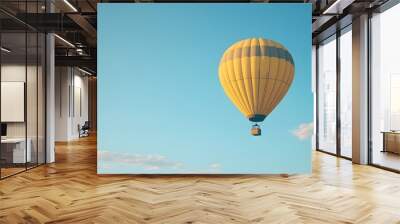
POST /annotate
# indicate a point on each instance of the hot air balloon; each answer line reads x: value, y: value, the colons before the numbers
x: 256, y: 74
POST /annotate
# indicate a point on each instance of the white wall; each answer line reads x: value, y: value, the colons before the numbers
x: 62, y: 82
x: 33, y: 127
x: 71, y: 102
x: 12, y: 73
x: 80, y: 110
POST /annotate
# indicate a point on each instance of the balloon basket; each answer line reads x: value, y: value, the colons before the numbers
x: 255, y: 130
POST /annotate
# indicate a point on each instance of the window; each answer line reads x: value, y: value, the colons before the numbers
x: 22, y: 77
x: 385, y: 89
x: 346, y: 92
x: 327, y: 95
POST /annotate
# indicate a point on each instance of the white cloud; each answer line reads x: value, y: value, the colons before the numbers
x: 303, y: 131
x: 148, y: 162
x: 215, y: 166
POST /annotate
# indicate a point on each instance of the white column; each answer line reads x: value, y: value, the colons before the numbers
x: 360, y: 90
x: 50, y: 99
x: 50, y: 92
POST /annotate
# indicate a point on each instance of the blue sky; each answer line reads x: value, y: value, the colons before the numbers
x: 161, y: 106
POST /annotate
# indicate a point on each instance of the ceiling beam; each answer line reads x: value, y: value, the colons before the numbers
x: 82, y: 61
x: 337, y: 6
x: 86, y: 26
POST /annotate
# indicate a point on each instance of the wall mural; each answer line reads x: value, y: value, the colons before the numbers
x: 180, y: 85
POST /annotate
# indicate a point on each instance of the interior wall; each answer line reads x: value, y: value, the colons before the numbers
x: 71, y: 102
x: 33, y: 126
x: 62, y: 80
x: 15, y: 72
x: 82, y: 116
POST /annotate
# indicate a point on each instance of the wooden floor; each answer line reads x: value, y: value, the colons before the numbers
x: 69, y: 191
x: 5, y: 172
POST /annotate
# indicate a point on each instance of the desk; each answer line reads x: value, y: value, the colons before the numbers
x: 391, y: 141
x: 13, y: 150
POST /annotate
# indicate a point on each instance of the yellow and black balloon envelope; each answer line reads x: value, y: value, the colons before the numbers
x: 256, y: 74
